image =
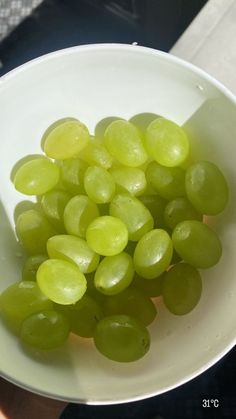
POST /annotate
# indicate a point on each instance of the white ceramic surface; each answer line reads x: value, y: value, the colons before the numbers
x: 91, y: 83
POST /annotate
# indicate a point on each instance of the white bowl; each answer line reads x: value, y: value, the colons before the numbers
x: 92, y: 82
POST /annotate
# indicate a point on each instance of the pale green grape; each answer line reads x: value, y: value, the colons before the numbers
x: 166, y: 142
x: 178, y: 210
x: 53, y: 204
x: 197, y: 244
x: 66, y: 140
x: 181, y: 288
x: 107, y: 235
x: 95, y: 153
x: 206, y: 188
x: 33, y: 231
x: 20, y: 300
x: 99, y: 184
x: 79, y: 213
x: 72, y: 175
x: 83, y: 316
x: 129, y: 179
x: 132, y: 303
x: 121, y: 338
x: 133, y: 213
x: 114, y: 274
x: 61, y: 281
x: 45, y: 330
x: 36, y: 177
x: 31, y: 266
x: 124, y: 143
x: 73, y: 249
x: 153, y: 254
x: 156, y: 205
x: 148, y: 287
x: 169, y: 182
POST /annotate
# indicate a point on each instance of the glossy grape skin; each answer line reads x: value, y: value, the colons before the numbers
x: 83, y: 316
x: 107, y: 235
x: 169, y: 182
x: 197, y: 244
x: 124, y: 143
x: 129, y: 179
x: 36, y: 177
x: 121, y: 338
x: 20, y: 300
x: 206, y: 188
x: 156, y: 205
x: 61, y: 281
x: 31, y: 266
x: 45, y: 330
x: 153, y: 254
x: 133, y: 213
x: 53, y: 204
x: 95, y: 153
x: 181, y: 288
x: 131, y: 302
x: 148, y: 287
x: 180, y: 209
x: 99, y: 185
x: 33, y: 231
x: 72, y: 175
x: 66, y: 140
x: 114, y: 274
x: 73, y: 249
x: 166, y: 142
x: 78, y: 214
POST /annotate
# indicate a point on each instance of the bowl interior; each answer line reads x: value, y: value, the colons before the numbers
x: 92, y: 83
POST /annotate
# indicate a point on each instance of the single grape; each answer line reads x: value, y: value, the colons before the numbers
x: 121, y: 338
x: 148, y: 287
x: 73, y: 249
x: 156, y: 205
x: 79, y: 213
x: 36, y: 177
x: 153, y: 254
x: 53, y: 204
x: 129, y: 179
x: 114, y: 274
x: 124, y: 143
x: 61, y: 281
x: 72, y: 175
x: 206, y: 188
x: 95, y: 153
x: 182, y: 288
x: 166, y: 142
x: 45, y: 330
x: 107, y: 235
x: 99, y: 184
x: 180, y: 209
x: 133, y: 213
x: 31, y: 266
x: 197, y: 244
x: 169, y: 182
x: 66, y: 140
x: 33, y: 231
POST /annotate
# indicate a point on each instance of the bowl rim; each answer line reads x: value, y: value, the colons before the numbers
x: 226, y: 92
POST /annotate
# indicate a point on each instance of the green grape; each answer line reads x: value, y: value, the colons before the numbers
x: 53, y: 204
x: 133, y: 213
x: 182, y: 288
x: 132, y: 303
x: 206, y: 188
x: 197, y: 244
x: 33, y: 231
x: 153, y: 254
x: 61, y: 281
x: 156, y: 205
x: 66, y: 140
x: 83, y: 316
x: 166, y: 142
x: 121, y: 338
x: 73, y: 249
x: 99, y: 184
x: 96, y: 154
x: 79, y: 213
x: 142, y: 120
x: 45, y: 330
x: 124, y: 143
x: 72, y: 175
x: 31, y: 266
x: 36, y: 177
x: 148, y: 287
x: 92, y: 290
x: 114, y: 274
x: 107, y: 235
x: 20, y: 300
x: 178, y: 210
x: 169, y: 182
x: 129, y: 179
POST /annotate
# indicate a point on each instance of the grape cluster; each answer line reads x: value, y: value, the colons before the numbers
x: 117, y: 222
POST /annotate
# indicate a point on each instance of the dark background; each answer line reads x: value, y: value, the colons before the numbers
x: 57, y: 24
